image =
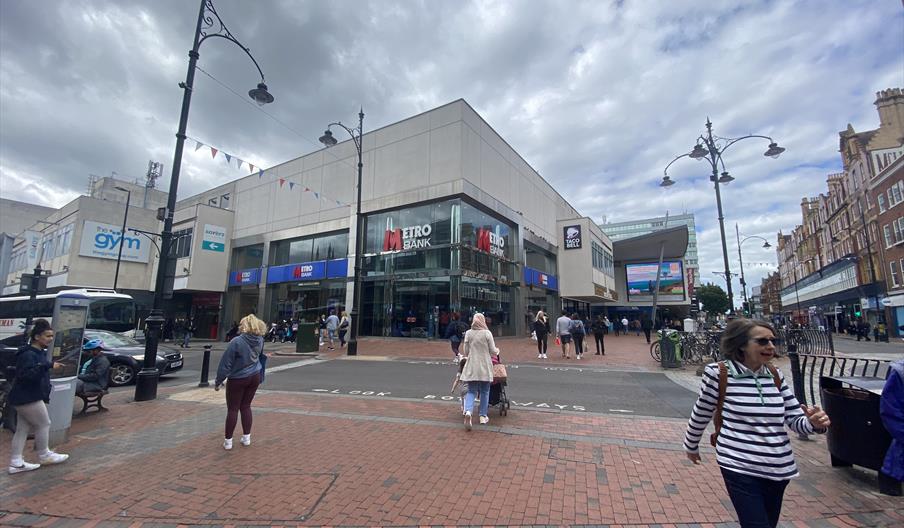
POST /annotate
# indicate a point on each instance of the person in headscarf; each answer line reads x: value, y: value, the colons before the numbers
x: 478, y: 347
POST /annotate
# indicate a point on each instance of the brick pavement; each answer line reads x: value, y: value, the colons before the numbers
x: 346, y: 460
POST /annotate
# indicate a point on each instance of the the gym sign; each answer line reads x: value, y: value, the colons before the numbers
x: 491, y: 242
x: 103, y: 241
x: 404, y: 238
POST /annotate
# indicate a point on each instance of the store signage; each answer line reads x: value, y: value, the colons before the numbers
x: 247, y: 276
x: 534, y: 277
x: 403, y: 238
x: 307, y: 271
x: 491, y: 242
x: 214, y: 238
x: 103, y: 241
x: 572, y: 237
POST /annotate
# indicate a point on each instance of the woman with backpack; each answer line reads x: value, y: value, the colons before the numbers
x: 753, y: 449
x: 577, y: 332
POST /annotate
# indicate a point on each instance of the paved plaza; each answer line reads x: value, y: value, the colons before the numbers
x: 322, y: 459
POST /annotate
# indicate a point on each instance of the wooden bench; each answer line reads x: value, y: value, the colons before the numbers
x: 92, y: 399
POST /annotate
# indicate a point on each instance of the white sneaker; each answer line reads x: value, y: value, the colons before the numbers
x: 227, y: 444
x: 545, y: 356
x: 484, y: 420
x: 21, y: 467
x: 246, y: 440
x: 468, y: 420
x: 539, y: 356
x: 52, y: 458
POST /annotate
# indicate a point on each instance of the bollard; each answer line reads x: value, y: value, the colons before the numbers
x: 205, y: 366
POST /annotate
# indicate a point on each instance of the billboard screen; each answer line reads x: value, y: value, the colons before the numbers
x: 641, y: 281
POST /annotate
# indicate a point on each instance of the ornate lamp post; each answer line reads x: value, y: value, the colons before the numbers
x: 122, y: 234
x: 328, y: 140
x: 209, y: 25
x: 711, y: 148
x: 766, y: 245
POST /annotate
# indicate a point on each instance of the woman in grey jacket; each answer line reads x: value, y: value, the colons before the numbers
x: 241, y: 365
x: 478, y: 371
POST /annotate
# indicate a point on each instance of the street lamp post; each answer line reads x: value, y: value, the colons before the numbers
x: 209, y: 25
x: 328, y: 140
x: 766, y: 245
x: 711, y: 148
x: 122, y: 234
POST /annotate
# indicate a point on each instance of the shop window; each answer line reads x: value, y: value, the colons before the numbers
x: 248, y: 257
x: 181, y: 244
x: 894, y: 274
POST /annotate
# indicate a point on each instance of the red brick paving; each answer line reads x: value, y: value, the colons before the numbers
x: 340, y: 460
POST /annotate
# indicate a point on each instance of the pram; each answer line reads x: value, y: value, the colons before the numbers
x: 498, y: 397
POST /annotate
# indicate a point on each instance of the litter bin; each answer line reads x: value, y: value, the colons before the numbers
x: 308, y: 338
x: 669, y: 348
x: 857, y: 435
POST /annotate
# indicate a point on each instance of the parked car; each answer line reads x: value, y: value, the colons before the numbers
x: 126, y: 356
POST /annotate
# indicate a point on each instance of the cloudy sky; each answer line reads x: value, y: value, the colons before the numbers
x: 597, y: 96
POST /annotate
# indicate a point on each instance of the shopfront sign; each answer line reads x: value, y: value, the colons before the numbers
x: 214, y: 238
x: 307, y: 271
x: 492, y: 243
x: 246, y: 276
x: 103, y: 241
x: 572, y: 236
x: 404, y: 238
x: 534, y: 277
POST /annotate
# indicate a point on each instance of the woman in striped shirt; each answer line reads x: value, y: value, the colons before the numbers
x: 752, y: 446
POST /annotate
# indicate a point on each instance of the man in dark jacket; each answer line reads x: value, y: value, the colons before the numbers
x: 646, y: 324
x: 891, y: 408
x: 94, y: 376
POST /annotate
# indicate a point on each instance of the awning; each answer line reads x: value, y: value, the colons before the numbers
x: 646, y: 247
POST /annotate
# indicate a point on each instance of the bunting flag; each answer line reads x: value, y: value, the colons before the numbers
x: 260, y: 172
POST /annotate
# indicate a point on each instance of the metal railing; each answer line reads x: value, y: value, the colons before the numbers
x: 806, y: 369
x: 805, y: 341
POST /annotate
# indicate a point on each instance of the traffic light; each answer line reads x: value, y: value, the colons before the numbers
x: 857, y: 312
x: 746, y: 307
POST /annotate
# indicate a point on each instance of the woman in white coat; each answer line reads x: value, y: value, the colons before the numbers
x: 478, y: 346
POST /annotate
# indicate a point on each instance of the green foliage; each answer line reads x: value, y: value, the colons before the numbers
x: 714, y: 298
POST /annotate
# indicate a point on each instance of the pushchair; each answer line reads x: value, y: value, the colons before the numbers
x: 498, y: 397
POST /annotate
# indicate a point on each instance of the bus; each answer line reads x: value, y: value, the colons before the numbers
x: 107, y: 310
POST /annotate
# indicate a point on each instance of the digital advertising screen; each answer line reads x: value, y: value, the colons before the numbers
x: 641, y: 281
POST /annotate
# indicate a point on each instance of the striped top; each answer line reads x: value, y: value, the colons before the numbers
x: 753, y: 439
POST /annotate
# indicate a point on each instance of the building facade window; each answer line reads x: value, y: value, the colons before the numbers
x: 181, y: 244
x: 894, y: 275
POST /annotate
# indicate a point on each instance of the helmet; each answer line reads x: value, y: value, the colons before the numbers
x: 91, y: 344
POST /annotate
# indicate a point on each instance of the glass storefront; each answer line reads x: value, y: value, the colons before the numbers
x: 306, y: 300
x: 423, y: 263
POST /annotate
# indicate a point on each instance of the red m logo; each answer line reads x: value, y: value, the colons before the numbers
x: 392, y: 240
x: 483, y: 240
x: 296, y: 272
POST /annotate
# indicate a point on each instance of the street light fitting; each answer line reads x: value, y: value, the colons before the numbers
x: 699, y: 152
x: 766, y: 245
x: 260, y: 94
x: 327, y: 138
x: 666, y: 182
x: 118, y: 188
x: 774, y: 150
x: 726, y: 178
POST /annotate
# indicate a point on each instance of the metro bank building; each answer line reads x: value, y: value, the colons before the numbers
x: 454, y: 221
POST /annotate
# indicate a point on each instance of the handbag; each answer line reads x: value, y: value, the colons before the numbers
x: 499, y: 372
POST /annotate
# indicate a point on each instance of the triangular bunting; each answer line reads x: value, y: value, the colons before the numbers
x: 252, y: 168
x: 338, y: 202
x: 240, y: 162
x: 307, y: 189
x: 316, y: 195
x: 213, y: 152
x: 198, y: 145
x: 260, y: 174
x: 291, y: 184
x: 228, y: 158
x: 281, y: 182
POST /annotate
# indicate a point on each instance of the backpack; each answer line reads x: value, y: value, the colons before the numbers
x: 576, y: 327
x: 723, y: 386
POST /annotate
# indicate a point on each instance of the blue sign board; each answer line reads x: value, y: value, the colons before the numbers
x: 337, y: 269
x: 244, y: 277
x: 308, y: 271
x: 534, y: 277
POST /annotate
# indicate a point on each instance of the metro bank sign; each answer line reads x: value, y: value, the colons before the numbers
x: 404, y: 238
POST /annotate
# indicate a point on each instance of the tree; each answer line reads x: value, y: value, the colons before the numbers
x: 714, y: 298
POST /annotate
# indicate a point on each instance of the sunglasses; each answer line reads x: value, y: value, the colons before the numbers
x: 763, y: 341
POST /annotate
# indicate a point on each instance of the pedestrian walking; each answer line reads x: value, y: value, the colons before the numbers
x: 455, y: 332
x: 624, y: 325
x: 478, y: 346
x: 462, y: 386
x: 598, y: 327
x: 188, y: 330
x: 577, y: 331
x: 242, y: 365
x: 751, y: 396
x: 29, y: 396
x: 322, y: 323
x: 332, y: 328
x: 541, y: 332
x: 608, y: 324
x: 344, y: 323
x: 646, y: 324
x: 563, y: 330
